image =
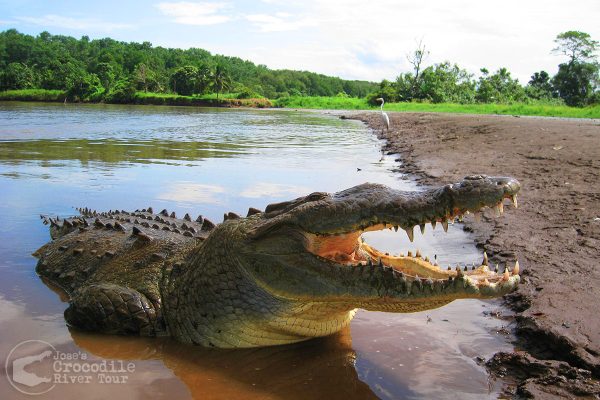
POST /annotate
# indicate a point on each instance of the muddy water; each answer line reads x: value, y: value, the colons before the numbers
x: 208, y: 161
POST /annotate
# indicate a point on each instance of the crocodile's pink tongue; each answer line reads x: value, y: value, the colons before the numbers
x: 335, y: 247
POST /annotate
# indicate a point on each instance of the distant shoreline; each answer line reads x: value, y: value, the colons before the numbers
x: 316, y: 103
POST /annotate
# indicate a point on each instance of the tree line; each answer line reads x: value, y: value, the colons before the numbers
x: 106, y: 69
x: 576, y: 83
x: 110, y: 70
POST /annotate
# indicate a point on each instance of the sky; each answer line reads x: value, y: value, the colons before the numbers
x: 352, y: 39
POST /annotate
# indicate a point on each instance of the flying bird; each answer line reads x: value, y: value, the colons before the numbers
x: 384, y: 117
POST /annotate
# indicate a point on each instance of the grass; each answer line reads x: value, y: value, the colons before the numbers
x: 209, y: 100
x: 543, y: 110
x: 33, y: 95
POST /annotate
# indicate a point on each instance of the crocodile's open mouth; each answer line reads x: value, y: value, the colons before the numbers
x: 349, y: 249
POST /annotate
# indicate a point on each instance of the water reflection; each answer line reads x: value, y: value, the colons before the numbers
x: 209, y: 161
x: 321, y: 368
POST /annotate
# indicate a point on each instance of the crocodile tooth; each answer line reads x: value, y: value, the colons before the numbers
x: 411, y: 234
x: 516, y: 268
x: 418, y: 253
x: 466, y: 268
x: 514, y: 201
x: 409, y: 254
x: 496, y: 268
x: 433, y: 224
x: 395, y: 228
x: 422, y: 226
x: 499, y: 209
x: 445, y: 225
x: 506, y: 274
x: 449, y: 268
x: 427, y: 258
x: 485, y: 259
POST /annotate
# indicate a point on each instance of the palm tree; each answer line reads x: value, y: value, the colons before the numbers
x: 221, y: 80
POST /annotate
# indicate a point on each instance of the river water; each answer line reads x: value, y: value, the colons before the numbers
x: 55, y: 157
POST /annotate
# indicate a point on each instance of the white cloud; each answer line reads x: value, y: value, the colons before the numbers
x: 193, y: 193
x: 279, y: 22
x: 369, y: 40
x: 57, y: 21
x: 188, y: 13
x: 266, y: 189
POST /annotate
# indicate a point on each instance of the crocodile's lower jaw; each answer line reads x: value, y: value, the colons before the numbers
x: 350, y: 250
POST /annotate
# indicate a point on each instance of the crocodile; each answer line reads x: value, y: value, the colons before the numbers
x: 300, y: 269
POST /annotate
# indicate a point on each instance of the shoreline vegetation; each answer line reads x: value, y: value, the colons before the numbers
x: 540, y: 109
x: 61, y: 68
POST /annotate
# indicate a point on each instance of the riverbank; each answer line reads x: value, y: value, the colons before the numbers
x: 555, y: 232
x: 139, y: 98
x: 315, y: 103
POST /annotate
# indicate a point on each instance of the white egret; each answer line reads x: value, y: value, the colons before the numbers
x: 384, y: 117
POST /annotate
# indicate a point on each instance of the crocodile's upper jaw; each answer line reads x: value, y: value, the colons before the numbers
x: 332, y: 226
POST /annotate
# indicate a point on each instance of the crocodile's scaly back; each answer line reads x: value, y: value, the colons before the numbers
x: 118, y: 260
x: 298, y: 270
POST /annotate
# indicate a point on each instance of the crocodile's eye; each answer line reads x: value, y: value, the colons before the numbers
x: 316, y: 196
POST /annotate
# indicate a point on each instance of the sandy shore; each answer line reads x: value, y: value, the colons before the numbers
x: 555, y: 232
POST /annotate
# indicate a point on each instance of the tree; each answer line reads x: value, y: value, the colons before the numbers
x: 83, y: 86
x: 184, y: 79
x: 576, y: 83
x: 447, y: 83
x: 221, y: 80
x: 540, y: 86
x: 578, y: 46
x: 577, y: 80
x: 17, y: 76
x: 499, y: 87
x: 416, y: 60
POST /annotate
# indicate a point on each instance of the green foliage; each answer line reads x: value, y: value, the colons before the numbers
x: 56, y: 62
x: 17, y: 75
x: 33, y: 95
x: 123, y: 92
x: 576, y: 83
x: 578, y: 46
x: 184, y: 80
x: 82, y: 86
x: 538, y: 108
x: 446, y: 83
x: 220, y: 79
x: 499, y: 88
x: 540, y: 87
